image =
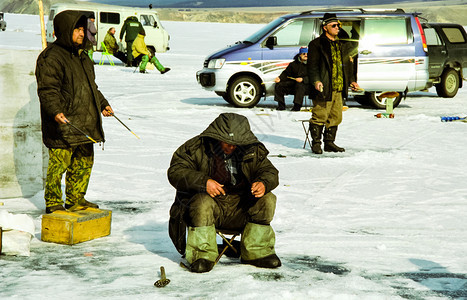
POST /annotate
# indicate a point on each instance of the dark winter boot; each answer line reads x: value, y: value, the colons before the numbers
x: 329, y: 138
x: 296, y: 107
x: 82, y: 202
x: 281, y: 106
x: 165, y: 70
x: 201, y: 266
x: 270, y: 261
x: 257, y: 246
x: 201, y: 248
x: 51, y: 209
x: 316, y: 131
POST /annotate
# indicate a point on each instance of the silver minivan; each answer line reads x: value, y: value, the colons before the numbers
x: 390, y: 54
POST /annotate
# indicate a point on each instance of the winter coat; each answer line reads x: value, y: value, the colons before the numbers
x: 295, y: 69
x: 110, y: 43
x: 191, y: 164
x: 319, y: 67
x: 131, y: 27
x: 66, y: 84
x: 91, y: 32
x: 139, y: 46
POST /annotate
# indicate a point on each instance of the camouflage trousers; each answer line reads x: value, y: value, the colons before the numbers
x: 77, y: 162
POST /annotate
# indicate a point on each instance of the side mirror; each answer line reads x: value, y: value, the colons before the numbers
x: 271, y: 42
x: 155, y: 24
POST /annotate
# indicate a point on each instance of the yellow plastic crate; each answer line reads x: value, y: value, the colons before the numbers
x: 73, y: 227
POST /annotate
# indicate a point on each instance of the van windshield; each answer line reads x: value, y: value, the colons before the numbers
x: 255, y: 37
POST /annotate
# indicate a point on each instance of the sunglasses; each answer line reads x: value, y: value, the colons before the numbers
x: 336, y: 25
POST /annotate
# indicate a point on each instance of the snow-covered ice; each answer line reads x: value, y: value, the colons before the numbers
x: 385, y: 220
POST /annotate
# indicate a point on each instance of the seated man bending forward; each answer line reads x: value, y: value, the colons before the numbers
x: 223, y: 180
x: 140, y: 52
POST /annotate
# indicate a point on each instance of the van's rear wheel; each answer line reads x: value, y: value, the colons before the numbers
x: 372, y: 99
x: 449, y: 84
x: 244, y: 91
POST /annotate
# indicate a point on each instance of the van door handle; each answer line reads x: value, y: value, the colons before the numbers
x: 365, y: 52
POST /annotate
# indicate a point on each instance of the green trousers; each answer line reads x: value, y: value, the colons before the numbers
x: 250, y: 215
x: 154, y: 61
x: 77, y: 162
x: 328, y: 113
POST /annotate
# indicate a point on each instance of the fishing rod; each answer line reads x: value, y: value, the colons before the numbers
x: 82, y: 132
x: 113, y: 115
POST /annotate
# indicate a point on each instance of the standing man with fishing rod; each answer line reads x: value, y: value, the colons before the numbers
x: 71, y: 105
x: 330, y: 73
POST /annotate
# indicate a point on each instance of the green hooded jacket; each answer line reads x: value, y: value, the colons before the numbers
x: 131, y: 27
x: 66, y: 84
x: 191, y: 163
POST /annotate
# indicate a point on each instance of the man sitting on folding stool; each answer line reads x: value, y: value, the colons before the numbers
x: 223, y: 180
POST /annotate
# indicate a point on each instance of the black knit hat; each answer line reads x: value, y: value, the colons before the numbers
x: 329, y: 18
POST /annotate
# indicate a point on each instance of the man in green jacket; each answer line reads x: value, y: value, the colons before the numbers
x: 131, y: 27
x: 112, y: 47
x: 223, y: 180
x: 71, y: 105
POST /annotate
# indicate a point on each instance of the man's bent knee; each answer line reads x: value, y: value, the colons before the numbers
x: 263, y: 211
x: 201, y: 210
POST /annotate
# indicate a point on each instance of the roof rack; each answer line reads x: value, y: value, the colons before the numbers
x: 361, y: 10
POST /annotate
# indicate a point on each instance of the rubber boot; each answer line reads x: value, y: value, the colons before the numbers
x: 201, y: 248
x: 159, y: 66
x: 329, y: 138
x: 257, y: 246
x: 316, y: 131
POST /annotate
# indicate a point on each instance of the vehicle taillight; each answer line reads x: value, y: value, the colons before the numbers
x: 422, y: 34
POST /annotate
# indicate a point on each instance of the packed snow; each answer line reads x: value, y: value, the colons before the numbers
x: 385, y: 220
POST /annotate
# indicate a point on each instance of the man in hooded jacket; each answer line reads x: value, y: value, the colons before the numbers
x: 223, y: 180
x: 70, y: 111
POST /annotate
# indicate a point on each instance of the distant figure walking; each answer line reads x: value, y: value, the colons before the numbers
x: 131, y: 27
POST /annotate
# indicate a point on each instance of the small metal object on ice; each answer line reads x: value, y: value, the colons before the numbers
x: 163, y: 281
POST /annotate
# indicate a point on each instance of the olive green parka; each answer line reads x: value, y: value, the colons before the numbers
x: 66, y: 84
x: 191, y: 164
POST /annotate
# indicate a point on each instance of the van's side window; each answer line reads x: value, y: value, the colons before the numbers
x: 432, y: 37
x: 109, y: 18
x: 454, y: 35
x: 296, y: 33
x: 147, y: 20
x: 386, y: 31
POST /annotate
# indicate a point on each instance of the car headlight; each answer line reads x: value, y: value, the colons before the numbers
x: 216, y: 63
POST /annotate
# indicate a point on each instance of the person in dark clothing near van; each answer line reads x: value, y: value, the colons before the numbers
x: 293, y: 80
x: 131, y: 28
x: 91, y: 35
x: 330, y: 73
x: 71, y: 104
x: 223, y: 180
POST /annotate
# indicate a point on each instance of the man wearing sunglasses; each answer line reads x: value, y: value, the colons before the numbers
x: 329, y: 71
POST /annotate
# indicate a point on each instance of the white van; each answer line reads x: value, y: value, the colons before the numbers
x: 157, y: 38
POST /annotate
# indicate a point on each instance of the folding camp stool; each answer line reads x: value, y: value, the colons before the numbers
x: 105, y: 53
x: 307, y: 132
x: 233, y: 234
